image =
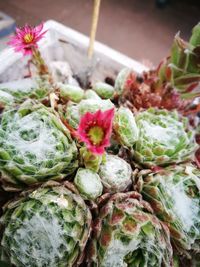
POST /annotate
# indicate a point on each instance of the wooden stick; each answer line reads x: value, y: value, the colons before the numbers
x: 95, y: 18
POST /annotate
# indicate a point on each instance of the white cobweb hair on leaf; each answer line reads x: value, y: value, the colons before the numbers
x: 48, y: 227
x: 176, y: 202
x: 35, y: 147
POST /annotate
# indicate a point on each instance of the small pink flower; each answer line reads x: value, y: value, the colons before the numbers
x: 25, y: 40
x: 95, y: 130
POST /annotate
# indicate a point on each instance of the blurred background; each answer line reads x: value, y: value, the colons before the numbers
x: 141, y: 29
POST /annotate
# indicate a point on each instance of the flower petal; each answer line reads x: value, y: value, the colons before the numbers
x: 21, y: 43
x: 102, y: 119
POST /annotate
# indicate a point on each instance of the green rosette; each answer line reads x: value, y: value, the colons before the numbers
x: 174, y: 194
x: 74, y: 112
x: 34, y: 147
x: 164, y: 138
x: 88, y: 183
x: 125, y: 127
x: 47, y: 227
x: 104, y: 90
x: 115, y: 174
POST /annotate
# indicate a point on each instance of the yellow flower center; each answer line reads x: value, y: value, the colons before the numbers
x: 28, y: 38
x: 96, y: 135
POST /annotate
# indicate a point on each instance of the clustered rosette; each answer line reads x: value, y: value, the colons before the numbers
x: 164, y: 138
x: 49, y: 227
x: 174, y: 194
x: 107, y: 175
x: 126, y: 233
x: 35, y: 147
x: 37, y: 89
x: 174, y: 84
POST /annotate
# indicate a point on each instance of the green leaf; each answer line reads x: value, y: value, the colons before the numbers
x: 186, y: 79
x: 194, y: 60
x: 190, y: 95
x: 175, y: 51
x: 195, y: 38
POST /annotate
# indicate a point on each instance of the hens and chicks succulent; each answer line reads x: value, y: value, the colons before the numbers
x: 135, y: 205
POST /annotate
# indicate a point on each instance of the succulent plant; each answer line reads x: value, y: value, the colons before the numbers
x: 6, y: 99
x: 115, y: 174
x: 18, y: 91
x: 90, y: 160
x: 121, y: 80
x: 47, y: 227
x: 88, y: 183
x: 104, y: 90
x: 34, y: 147
x: 73, y: 112
x: 91, y: 94
x: 164, y: 138
x: 125, y: 127
x: 92, y: 105
x: 181, y: 69
x: 126, y: 233
x: 72, y: 115
x: 174, y: 84
x: 174, y: 194
x: 140, y: 134
x: 71, y: 92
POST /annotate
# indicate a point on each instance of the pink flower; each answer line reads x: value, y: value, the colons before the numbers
x: 95, y: 130
x: 25, y: 40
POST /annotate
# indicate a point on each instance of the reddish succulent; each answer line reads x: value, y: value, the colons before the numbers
x: 125, y: 234
x: 174, y: 84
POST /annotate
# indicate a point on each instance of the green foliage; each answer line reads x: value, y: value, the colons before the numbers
x: 34, y: 147
x: 125, y: 127
x: 115, y: 174
x: 128, y: 234
x: 174, y: 194
x: 182, y: 69
x: 88, y: 183
x: 48, y: 227
x: 71, y: 92
x: 164, y: 138
x: 104, y: 90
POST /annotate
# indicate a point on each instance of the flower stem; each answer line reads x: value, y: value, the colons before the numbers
x: 40, y: 65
